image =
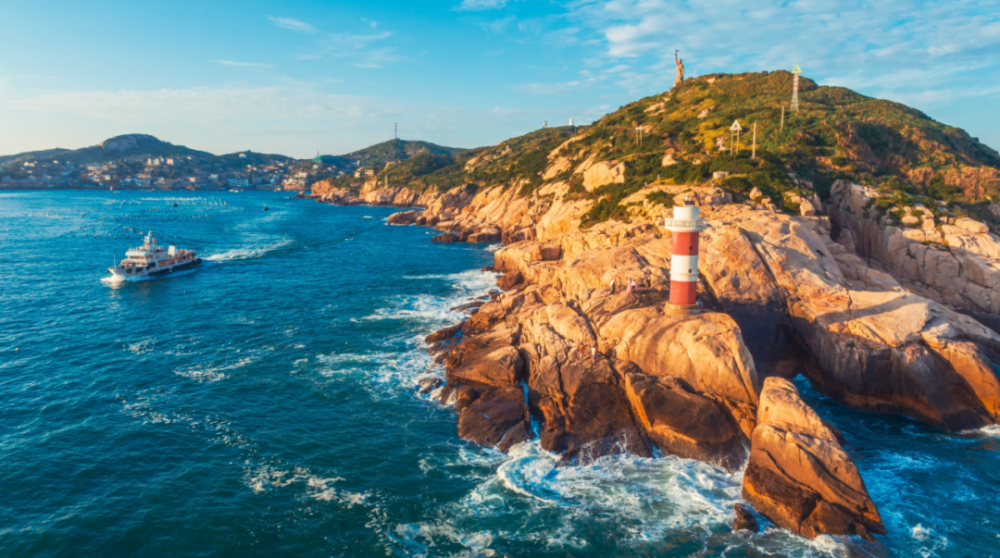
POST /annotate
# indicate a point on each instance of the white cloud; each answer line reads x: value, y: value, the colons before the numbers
x: 241, y: 64
x: 293, y: 24
x: 496, y: 26
x: 356, y: 47
x: 547, y: 88
x: 480, y: 5
x: 892, y: 47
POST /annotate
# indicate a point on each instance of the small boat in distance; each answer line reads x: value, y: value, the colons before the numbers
x: 151, y: 260
x: 265, y: 207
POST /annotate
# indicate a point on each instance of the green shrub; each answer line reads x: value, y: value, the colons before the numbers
x: 661, y: 197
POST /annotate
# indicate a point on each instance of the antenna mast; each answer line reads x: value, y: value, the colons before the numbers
x: 395, y: 130
x: 795, y: 89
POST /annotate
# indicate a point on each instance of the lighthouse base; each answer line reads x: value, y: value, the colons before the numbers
x: 682, y: 309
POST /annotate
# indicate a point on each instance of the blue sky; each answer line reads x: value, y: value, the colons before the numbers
x: 298, y: 76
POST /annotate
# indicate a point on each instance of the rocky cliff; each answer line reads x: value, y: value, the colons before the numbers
x: 603, y: 370
x: 877, y: 310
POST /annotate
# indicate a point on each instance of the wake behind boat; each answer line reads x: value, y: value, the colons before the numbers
x: 151, y: 260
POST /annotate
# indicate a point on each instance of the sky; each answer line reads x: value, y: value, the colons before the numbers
x: 299, y: 76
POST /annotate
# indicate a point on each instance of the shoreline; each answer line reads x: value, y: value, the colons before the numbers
x: 515, y: 371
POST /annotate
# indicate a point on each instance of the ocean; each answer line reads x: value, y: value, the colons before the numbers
x: 265, y: 404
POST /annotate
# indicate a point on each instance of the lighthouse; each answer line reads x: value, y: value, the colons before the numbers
x: 684, y: 228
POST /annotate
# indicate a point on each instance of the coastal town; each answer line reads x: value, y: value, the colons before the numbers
x: 143, y: 162
x: 166, y: 173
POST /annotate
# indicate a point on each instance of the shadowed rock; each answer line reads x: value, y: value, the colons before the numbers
x: 585, y: 413
x: 744, y: 519
x: 799, y: 475
x: 495, y: 417
x: 403, y: 218
x: 447, y: 238
x: 684, y: 423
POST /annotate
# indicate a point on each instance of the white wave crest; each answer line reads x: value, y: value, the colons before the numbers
x: 142, y: 347
x: 266, y: 477
x: 431, y: 310
x: 212, y: 374
x: 991, y: 430
x: 248, y: 253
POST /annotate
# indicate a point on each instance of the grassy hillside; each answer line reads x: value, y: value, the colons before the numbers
x: 837, y: 133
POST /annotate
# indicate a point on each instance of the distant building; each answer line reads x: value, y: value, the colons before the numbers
x: 238, y: 182
x: 243, y: 155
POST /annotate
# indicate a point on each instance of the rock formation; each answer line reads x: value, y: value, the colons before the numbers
x: 955, y: 263
x: 881, y: 315
x: 799, y: 475
x: 604, y: 371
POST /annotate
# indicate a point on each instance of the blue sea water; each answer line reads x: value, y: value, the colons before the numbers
x: 265, y: 405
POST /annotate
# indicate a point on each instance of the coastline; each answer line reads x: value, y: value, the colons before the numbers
x: 511, y: 359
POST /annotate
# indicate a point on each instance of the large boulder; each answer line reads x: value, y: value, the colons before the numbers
x: 447, y: 238
x: 584, y: 412
x: 570, y: 324
x: 488, y: 359
x: 704, y: 350
x: 403, y: 218
x: 742, y: 285
x: 799, y: 475
x: 684, y: 423
x: 495, y: 417
x: 605, y: 172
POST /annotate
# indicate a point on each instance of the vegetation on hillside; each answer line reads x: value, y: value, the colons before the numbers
x: 836, y: 134
x: 395, y: 150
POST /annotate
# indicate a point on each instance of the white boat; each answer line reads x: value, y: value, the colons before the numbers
x: 151, y: 260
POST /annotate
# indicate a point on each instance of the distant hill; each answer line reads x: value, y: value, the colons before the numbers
x: 127, y: 147
x: 397, y: 150
x: 32, y: 155
x: 132, y: 146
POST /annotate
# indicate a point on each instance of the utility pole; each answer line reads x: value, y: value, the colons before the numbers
x: 782, y: 118
x: 735, y: 130
x: 754, y: 155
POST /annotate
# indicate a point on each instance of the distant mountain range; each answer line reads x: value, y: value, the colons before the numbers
x: 133, y: 146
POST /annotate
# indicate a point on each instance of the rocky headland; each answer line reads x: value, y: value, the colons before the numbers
x: 880, y: 313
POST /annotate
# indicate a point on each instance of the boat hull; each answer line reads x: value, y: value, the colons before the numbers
x: 119, y: 275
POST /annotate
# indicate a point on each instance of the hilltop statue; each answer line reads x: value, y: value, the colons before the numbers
x: 680, y: 70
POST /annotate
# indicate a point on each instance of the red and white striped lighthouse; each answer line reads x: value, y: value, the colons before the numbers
x: 684, y: 228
